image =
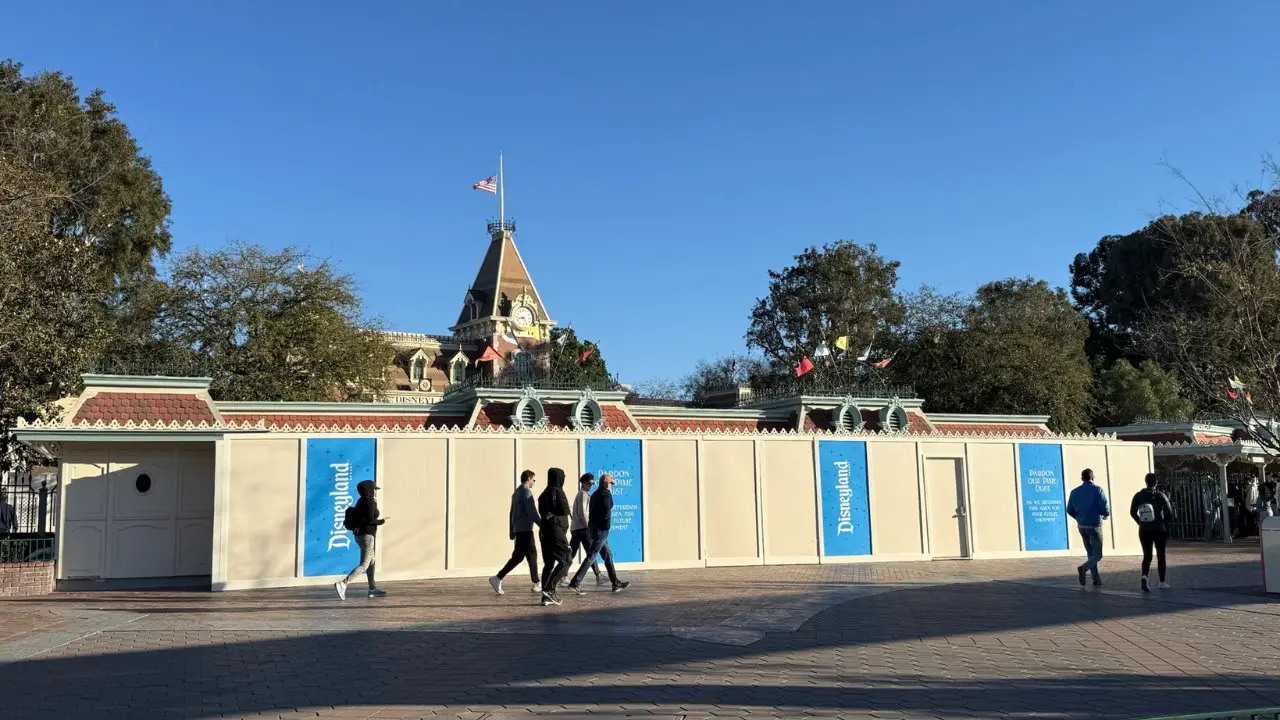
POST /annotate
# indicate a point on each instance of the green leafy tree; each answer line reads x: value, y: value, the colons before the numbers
x: 725, y: 373
x: 844, y: 289
x: 80, y: 206
x: 1126, y: 394
x: 272, y: 326
x: 567, y: 365
x: 1019, y: 348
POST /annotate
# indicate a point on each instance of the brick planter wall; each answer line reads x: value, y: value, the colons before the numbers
x: 25, y: 579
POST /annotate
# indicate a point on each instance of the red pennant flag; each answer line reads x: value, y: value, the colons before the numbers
x: 1232, y: 394
x: 883, y: 363
x: 585, y: 354
x: 489, y: 354
x: 805, y: 366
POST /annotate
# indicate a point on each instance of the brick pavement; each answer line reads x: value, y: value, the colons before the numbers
x: 955, y: 639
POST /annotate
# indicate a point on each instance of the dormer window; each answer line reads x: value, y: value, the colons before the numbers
x: 458, y: 372
x: 419, y: 370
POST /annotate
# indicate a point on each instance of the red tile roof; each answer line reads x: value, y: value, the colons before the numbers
x: 495, y: 415
x: 698, y: 424
x: 151, y: 407
x: 558, y: 415
x: 993, y: 428
x: 1175, y: 437
x: 616, y: 417
x: 351, y: 421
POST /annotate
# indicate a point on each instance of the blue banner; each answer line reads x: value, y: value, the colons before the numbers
x: 621, y: 459
x: 846, y: 512
x: 1044, y: 503
x: 334, y: 467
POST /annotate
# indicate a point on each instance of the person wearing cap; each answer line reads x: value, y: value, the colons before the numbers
x: 366, y: 537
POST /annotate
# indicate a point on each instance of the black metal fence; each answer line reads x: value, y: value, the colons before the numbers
x: 1198, y: 506
x: 28, y: 521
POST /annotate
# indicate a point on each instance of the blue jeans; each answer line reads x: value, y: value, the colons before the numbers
x: 1092, y: 548
x: 599, y: 545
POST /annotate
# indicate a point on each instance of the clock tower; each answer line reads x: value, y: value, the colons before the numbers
x: 502, y: 303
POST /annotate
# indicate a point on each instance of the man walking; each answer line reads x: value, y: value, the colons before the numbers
x: 598, y: 524
x: 1152, y: 511
x: 520, y: 521
x: 1088, y: 505
x: 366, y: 510
x: 578, y: 523
x: 553, y: 528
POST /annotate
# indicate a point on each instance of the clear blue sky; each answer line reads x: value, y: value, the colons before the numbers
x: 662, y: 156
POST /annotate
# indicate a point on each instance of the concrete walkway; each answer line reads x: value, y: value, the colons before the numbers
x: 956, y: 639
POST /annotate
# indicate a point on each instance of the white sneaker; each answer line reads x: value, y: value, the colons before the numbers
x: 537, y: 587
x: 1164, y: 586
x: 495, y: 582
x: 341, y: 587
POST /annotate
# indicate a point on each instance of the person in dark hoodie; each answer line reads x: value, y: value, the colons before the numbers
x: 553, y: 509
x: 366, y: 537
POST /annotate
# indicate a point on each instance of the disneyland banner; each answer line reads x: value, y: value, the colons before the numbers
x: 334, y: 467
x: 846, y: 512
x: 1044, y: 497
x: 621, y: 459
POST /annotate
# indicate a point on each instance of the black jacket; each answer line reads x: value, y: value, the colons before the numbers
x: 1159, y: 501
x: 553, y: 506
x: 601, y: 509
x: 367, y: 509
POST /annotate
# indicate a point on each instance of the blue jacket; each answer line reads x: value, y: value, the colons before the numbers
x: 1088, y: 505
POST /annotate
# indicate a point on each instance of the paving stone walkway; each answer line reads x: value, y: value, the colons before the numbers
x: 946, y: 639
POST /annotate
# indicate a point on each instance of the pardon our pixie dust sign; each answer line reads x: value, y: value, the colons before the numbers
x: 846, y: 513
x: 1044, y: 504
x: 621, y: 459
x: 334, y: 467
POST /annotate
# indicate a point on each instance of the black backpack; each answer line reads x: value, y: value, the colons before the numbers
x: 350, y: 520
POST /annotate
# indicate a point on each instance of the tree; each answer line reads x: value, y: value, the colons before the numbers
x: 52, y: 320
x: 110, y: 196
x: 1234, y: 333
x: 1018, y: 350
x: 272, y: 326
x: 568, y: 365
x: 1126, y: 394
x: 79, y: 206
x: 844, y: 289
x: 729, y: 372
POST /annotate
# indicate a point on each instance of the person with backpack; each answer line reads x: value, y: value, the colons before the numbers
x: 553, y: 530
x: 520, y: 521
x: 362, y: 519
x: 1088, y: 505
x: 1153, y: 512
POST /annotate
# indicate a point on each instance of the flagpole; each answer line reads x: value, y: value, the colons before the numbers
x: 502, y: 210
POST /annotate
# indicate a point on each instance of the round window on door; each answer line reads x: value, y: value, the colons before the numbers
x: 142, y: 484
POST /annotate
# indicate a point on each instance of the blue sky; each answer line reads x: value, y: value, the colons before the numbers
x: 662, y: 156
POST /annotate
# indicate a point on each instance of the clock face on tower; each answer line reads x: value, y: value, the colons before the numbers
x: 522, y: 317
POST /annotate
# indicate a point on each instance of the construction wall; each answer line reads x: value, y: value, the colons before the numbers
x: 682, y: 500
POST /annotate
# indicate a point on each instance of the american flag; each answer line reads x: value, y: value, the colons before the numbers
x: 488, y: 184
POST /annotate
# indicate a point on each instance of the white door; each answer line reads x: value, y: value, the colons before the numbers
x: 948, y: 526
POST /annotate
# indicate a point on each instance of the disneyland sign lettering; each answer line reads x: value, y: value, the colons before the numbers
x: 334, y: 467
x: 846, y: 513
x: 339, y: 536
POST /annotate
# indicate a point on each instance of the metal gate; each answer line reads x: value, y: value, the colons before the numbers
x: 1197, y: 503
x: 28, y: 521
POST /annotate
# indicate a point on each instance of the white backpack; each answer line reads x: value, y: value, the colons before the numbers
x: 1146, y: 513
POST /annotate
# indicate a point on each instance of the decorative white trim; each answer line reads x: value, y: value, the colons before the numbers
x: 528, y: 399
x: 587, y: 401
x: 847, y: 418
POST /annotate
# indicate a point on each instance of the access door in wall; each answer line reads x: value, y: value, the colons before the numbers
x: 948, y: 514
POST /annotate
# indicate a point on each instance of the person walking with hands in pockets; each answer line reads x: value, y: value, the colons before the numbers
x: 1088, y: 505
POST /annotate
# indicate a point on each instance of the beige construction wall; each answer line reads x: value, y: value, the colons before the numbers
x: 788, y: 491
x: 894, y: 483
x: 671, y: 502
x: 263, y: 495
x: 415, y: 494
x: 993, y: 497
x: 729, y: 477
x: 708, y: 499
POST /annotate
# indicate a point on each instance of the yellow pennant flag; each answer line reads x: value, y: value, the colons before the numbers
x: 842, y: 342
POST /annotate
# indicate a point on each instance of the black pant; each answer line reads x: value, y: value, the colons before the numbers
x: 599, y: 546
x: 555, y: 559
x: 525, y: 550
x: 581, y: 539
x: 1148, y: 538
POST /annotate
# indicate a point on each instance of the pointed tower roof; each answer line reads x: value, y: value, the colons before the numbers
x: 502, y: 272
